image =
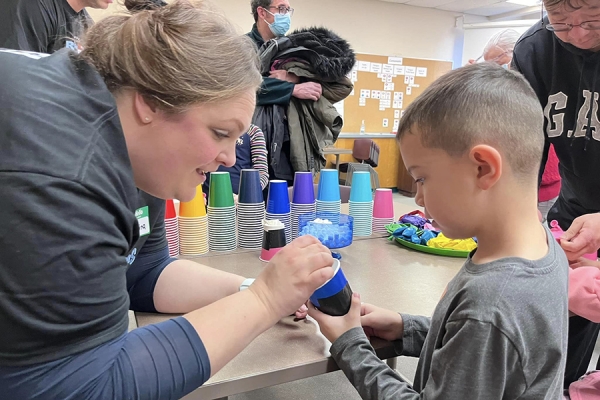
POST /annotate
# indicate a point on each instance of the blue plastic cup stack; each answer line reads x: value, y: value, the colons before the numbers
x: 278, y: 206
x: 328, y: 191
x: 221, y: 213
x: 361, y: 203
x: 303, y: 198
x: 250, y: 210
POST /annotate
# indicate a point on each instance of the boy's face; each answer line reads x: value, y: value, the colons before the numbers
x: 446, y: 186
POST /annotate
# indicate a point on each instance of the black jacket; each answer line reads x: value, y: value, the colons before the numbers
x: 272, y: 91
x: 567, y: 82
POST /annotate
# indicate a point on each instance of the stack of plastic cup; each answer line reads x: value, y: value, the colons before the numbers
x: 221, y: 213
x: 383, y: 210
x: 172, y: 228
x: 303, y: 198
x: 278, y: 206
x: 361, y: 203
x: 328, y: 191
x: 251, y: 210
x: 193, y: 226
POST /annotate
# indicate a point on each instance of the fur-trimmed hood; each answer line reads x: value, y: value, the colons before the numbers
x: 329, y: 56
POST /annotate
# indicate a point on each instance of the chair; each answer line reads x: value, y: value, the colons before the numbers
x: 365, y: 151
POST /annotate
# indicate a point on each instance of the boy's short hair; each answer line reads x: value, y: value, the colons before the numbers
x: 480, y: 104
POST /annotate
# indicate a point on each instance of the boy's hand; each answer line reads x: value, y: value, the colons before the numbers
x: 382, y: 323
x: 582, y: 237
x: 584, y: 262
x: 333, y: 327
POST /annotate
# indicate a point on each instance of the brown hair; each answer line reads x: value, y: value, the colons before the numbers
x: 254, y: 4
x: 175, y: 55
x: 480, y: 104
x: 569, y: 5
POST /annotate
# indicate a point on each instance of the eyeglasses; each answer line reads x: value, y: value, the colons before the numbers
x: 283, y: 10
x: 587, y: 25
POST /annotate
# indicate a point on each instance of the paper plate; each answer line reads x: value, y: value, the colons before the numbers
x: 427, y: 249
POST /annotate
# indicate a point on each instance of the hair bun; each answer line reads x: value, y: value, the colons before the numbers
x: 141, y: 5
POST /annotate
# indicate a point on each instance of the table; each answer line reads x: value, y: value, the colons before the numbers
x: 384, y: 273
x: 336, y: 151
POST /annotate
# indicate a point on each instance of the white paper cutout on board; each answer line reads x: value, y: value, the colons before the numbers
x: 410, y: 71
x: 397, y: 104
x: 376, y: 68
x: 411, y: 80
x: 352, y: 92
x: 422, y: 72
x: 399, y: 69
x: 395, y: 60
x: 364, y: 66
x: 385, y: 103
x: 401, y: 113
x: 386, y: 95
x: 409, y: 90
x: 362, y: 102
x: 389, y: 79
x: 398, y: 95
x: 396, y: 114
x: 388, y: 86
x: 396, y: 125
x: 365, y: 93
x: 406, y: 79
x: 385, y: 122
x: 354, y: 75
x: 388, y: 69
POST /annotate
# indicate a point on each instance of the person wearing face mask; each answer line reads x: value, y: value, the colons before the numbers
x: 560, y: 57
x: 272, y: 19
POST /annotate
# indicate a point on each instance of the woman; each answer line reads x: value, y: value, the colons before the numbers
x: 83, y: 135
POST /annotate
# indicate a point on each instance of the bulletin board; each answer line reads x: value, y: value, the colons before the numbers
x: 383, y: 87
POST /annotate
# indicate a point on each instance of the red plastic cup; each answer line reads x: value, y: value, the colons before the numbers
x: 383, y: 204
x: 170, y: 210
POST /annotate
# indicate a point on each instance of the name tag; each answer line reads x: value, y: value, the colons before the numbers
x: 143, y: 218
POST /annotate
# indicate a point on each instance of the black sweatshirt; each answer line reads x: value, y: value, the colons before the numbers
x: 567, y: 82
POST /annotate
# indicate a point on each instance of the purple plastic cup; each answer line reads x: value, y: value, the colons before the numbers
x: 304, y: 190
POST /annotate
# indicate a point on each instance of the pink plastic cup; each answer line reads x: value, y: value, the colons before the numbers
x: 383, y: 205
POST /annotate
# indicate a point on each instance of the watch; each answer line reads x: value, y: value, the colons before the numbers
x: 246, y: 284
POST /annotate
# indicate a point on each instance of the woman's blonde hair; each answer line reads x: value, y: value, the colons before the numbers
x: 175, y: 55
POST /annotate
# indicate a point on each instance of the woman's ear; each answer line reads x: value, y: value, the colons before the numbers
x: 489, y: 165
x: 145, y: 112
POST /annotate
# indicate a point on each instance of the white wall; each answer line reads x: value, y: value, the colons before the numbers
x: 371, y: 26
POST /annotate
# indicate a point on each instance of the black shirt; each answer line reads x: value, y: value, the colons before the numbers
x: 566, y: 80
x: 68, y: 203
x: 43, y: 26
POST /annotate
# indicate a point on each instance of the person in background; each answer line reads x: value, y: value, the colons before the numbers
x: 272, y: 18
x: 91, y: 142
x: 500, y: 329
x: 560, y: 57
x: 499, y: 50
x: 250, y: 152
x: 45, y: 26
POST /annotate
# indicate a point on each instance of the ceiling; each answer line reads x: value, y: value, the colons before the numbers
x: 493, y: 9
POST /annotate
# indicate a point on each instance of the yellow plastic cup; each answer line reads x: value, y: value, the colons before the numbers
x: 194, y: 208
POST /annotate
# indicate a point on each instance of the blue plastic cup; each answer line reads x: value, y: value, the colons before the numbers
x: 278, y: 201
x: 360, y: 190
x: 334, y: 297
x: 304, y: 190
x: 250, y: 191
x: 329, y: 185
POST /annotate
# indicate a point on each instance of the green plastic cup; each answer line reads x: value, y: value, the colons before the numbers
x: 220, y: 193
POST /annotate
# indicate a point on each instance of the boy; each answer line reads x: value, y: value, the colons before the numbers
x: 472, y: 142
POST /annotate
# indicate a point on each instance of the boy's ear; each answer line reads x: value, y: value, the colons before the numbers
x: 489, y: 165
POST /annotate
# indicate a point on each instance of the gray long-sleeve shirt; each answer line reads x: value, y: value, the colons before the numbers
x: 499, y: 332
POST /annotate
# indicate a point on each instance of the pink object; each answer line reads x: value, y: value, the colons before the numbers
x: 383, y: 204
x: 266, y: 255
x: 557, y: 232
x: 584, y: 292
x: 587, y: 388
x: 550, y: 186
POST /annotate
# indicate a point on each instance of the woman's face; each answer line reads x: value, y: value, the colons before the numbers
x: 578, y: 37
x: 173, y: 154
